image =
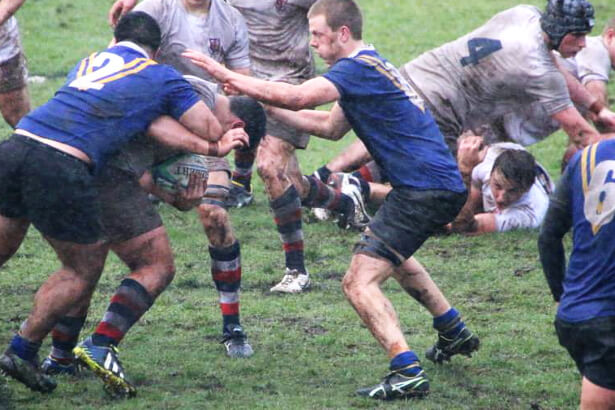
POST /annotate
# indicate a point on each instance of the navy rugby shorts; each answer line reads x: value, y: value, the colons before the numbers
x: 406, y: 219
x: 591, y: 344
x: 53, y: 190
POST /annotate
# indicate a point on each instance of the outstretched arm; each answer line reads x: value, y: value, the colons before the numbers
x: 331, y: 125
x: 311, y: 93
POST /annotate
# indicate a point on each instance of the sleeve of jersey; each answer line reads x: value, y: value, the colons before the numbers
x: 239, y: 54
x: 593, y: 65
x: 516, y: 217
x: 555, y: 225
x: 179, y: 94
x: 350, y: 78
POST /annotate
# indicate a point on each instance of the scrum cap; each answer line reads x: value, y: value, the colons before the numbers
x: 566, y: 16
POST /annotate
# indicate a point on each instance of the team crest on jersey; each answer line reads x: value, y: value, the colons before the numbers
x: 280, y: 4
x: 214, y: 45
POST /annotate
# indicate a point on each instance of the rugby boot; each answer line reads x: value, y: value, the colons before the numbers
x: 26, y: 372
x: 293, y: 282
x: 236, y: 342
x: 397, y: 385
x: 104, y: 362
x: 239, y: 196
x: 465, y: 342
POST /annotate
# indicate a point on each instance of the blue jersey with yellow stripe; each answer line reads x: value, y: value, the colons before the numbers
x: 393, y: 123
x: 589, y: 283
x: 108, y: 98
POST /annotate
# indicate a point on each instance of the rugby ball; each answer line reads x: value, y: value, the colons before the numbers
x: 176, y: 171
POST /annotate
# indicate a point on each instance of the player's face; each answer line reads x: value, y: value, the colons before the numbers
x: 571, y: 44
x: 324, y: 40
x: 505, y: 192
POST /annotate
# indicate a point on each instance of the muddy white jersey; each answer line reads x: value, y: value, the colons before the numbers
x: 221, y: 34
x: 279, y: 38
x: 529, y: 210
x: 9, y: 39
x: 593, y: 62
x: 501, y: 65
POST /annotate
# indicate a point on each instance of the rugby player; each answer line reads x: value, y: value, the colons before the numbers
x: 584, y: 200
x: 508, y: 188
x: 14, y: 99
x: 427, y: 188
x: 134, y: 231
x: 217, y: 29
x: 109, y: 98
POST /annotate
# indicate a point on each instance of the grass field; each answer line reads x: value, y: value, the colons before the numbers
x: 311, y: 349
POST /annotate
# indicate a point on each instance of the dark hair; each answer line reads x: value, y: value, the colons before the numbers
x: 566, y: 16
x: 517, y: 166
x: 340, y: 13
x: 253, y: 116
x: 138, y: 27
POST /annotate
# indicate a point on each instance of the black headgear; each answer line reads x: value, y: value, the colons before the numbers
x: 566, y: 16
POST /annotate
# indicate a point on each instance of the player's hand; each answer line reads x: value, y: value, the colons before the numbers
x: 118, y: 9
x: 189, y: 197
x: 230, y: 90
x: 214, y: 68
x: 470, y: 152
x: 233, y: 139
x: 606, y: 118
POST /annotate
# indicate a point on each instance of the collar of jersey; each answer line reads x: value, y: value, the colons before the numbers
x: 134, y: 47
x: 367, y: 47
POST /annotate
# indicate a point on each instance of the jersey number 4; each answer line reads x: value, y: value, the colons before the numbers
x: 479, y: 48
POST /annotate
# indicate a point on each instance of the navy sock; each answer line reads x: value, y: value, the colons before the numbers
x: 324, y: 173
x: 406, y: 363
x: 449, y: 324
x: 24, y: 348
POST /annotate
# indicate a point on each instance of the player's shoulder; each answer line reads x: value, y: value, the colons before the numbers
x: 224, y: 9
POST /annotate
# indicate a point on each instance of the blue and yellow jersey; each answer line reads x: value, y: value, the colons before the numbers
x: 589, y: 283
x: 108, y: 98
x: 393, y: 123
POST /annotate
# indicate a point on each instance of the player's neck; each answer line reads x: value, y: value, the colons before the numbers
x: 197, y: 7
x: 353, y: 47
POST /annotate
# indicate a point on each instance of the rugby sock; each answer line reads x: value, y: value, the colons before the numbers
x: 64, y: 338
x: 128, y: 304
x: 323, y: 196
x: 226, y: 273
x: 24, y: 348
x: 406, y: 363
x: 287, y: 216
x: 369, y: 172
x: 323, y: 173
x: 449, y: 324
x: 243, y: 168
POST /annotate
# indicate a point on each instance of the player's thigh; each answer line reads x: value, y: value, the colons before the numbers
x: 12, y: 232
x: 14, y: 100
x: 126, y: 210
x: 594, y: 397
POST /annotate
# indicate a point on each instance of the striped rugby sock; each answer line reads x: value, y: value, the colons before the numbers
x: 130, y: 301
x: 287, y: 216
x: 64, y: 338
x: 323, y: 196
x: 226, y: 273
x: 244, y: 160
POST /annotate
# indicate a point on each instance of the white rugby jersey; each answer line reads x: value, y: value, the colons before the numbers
x: 9, y: 39
x: 529, y: 210
x: 279, y: 38
x: 221, y: 34
x: 499, y: 66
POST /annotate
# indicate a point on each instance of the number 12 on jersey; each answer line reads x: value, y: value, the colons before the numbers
x: 479, y: 48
